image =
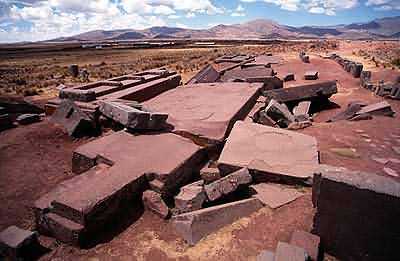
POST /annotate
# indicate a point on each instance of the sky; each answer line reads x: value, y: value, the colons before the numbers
x: 34, y: 20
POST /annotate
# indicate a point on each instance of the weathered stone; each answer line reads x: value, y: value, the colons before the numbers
x: 26, y: 119
x: 266, y: 255
x: 16, y: 243
x: 270, y: 153
x: 274, y: 195
x: 365, y: 78
x: 190, y: 198
x: 380, y: 108
x: 210, y: 174
x: 356, y: 69
x: 279, y: 113
x: 153, y: 201
x: 77, y: 95
x: 227, y: 184
x: 299, y: 125
x: 357, y: 214
x: 286, y: 252
x: 73, y: 70
x: 75, y: 121
x: 156, y: 185
x: 305, y: 58
x: 311, y: 92
x: 309, y: 242
x: 193, y: 226
x: 207, y: 75
x: 384, y: 89
x: 289, y: 77
x: 311, y: 75
x: 133, y: 118
x: 350, y: 112
x: 302, y: 110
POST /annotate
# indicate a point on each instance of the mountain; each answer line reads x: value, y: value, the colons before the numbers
x: 256, y: 29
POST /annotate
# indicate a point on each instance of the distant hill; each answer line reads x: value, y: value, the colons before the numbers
x: 256, y: 29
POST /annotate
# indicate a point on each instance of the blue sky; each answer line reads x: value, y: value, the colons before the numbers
x: 32, y: 20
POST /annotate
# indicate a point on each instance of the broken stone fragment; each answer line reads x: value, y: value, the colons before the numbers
x: 274, y: 195
x: 380, y: 108
x: 193, y: 226
x: 227, y: 184
x: 302, y: 110
x: 289, y: 77
x: 279, y: 113
x: 309, y: 242
x: 311, y: 75
x: 26, y: 119
x: 153, y: 201
x: 210, y: 174
x: 17, y: 243
x: 350, y: 112
x: 299, y: 125
x: 286, y: 252
x: 190, y: 198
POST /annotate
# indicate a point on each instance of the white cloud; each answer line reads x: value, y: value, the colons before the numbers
x: 190, y: 15
x: 328, y: 7
x: 239, y: 11
x: 384, y: 5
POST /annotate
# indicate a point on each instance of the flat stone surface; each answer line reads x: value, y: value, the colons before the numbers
x: 196, y: 110
x: 247, y: 73
x: 274, y: 195
x: 302, y: 108
x: 193, y: 226
x: 270, y: 151
x: 266, y: 256
x: 15, y: 237
x: 287, y: 252
x: 153, y: 202
x: 309, y: 242
x: 227, y: 184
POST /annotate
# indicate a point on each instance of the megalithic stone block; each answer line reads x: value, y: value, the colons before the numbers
x: 77, y: 95
x: 356, y: 69
x: 193, y: 226
x: 380, y: 108
x: 357, y: 214
x: 311, y: 75
x: 365, y: 78
x: 279, y: 113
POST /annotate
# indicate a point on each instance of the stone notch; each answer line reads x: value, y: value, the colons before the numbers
x: 193, y: 226
x: 310, y: 92
x: 357, y: 214
x: 200, y: 117
x: 73, y: 119
x: 227, y: 184
x: 270, y: 153
x: 133, y: 118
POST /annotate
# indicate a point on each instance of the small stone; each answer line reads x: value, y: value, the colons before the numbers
x: 289, y: 77
x: 345, y: 152
x: 359, y: 131
x: 153, y: 201
x: 311, y: 75
x: 367, y: 140
x: 227, y: 184
x: 14, y: 241
x: 190, y: 198
x: 210, y: 174
x: 390, y: 172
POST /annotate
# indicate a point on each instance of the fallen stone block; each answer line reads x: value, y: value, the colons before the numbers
x: 77, y: 95
x: 76, y: 122
x: 279, y: 154
x: 133, y: 118
x: 357, y: 214
x: 209, y: 174
x: 309, y: 242
x: 17, y: 243
x: 274, y: 195
x: 73, y: 70
x: 193, y: 226
x: 312, y: 92
x: 26, y: 119
x: 350, y: 112
x: 190, y: 198
x: 311, y: 75
x: 302, y: 110
x: 266, y: 255
x: 227, y: 184
x: 356, y: 69
x: 365, y: 78
x: 279, y: 113
x: 207, y: 75
x: 381, y: 108
x: 153, y: 202
x: 289, y: 77
x: 286, y: 252
x: 383, y: 89
x: 362, y: 117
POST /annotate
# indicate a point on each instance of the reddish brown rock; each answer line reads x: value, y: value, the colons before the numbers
x: 17, y: 243
x: 153, y: 201
x: 193, y: 226
x: 275, y: 195
x: 309, y: 242
x: 190, y: 198
x: 286, y: 252
x: 210, y: 174
x: 227, y: 184
x: 311, y: 75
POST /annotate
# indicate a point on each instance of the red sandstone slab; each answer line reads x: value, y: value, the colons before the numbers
x: 275, y: 195
x: 247, y: 73
x: 206, y: 111
x: 270, y: 150
x: 131, y: 157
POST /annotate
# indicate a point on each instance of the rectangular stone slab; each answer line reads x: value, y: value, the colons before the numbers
x: 270, y: 151
x: 193, y: 226
x: 274, y: 195
x: 206, y: 111
x: 357, y: 214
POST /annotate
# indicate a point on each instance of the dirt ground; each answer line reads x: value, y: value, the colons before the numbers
x: 34, y: 158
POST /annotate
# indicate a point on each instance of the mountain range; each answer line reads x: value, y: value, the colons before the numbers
x: 256, y: 29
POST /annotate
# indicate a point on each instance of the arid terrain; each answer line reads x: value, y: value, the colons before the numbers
x: 35, y: 158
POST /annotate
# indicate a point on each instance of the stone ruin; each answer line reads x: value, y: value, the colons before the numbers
x: 201, y: 157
